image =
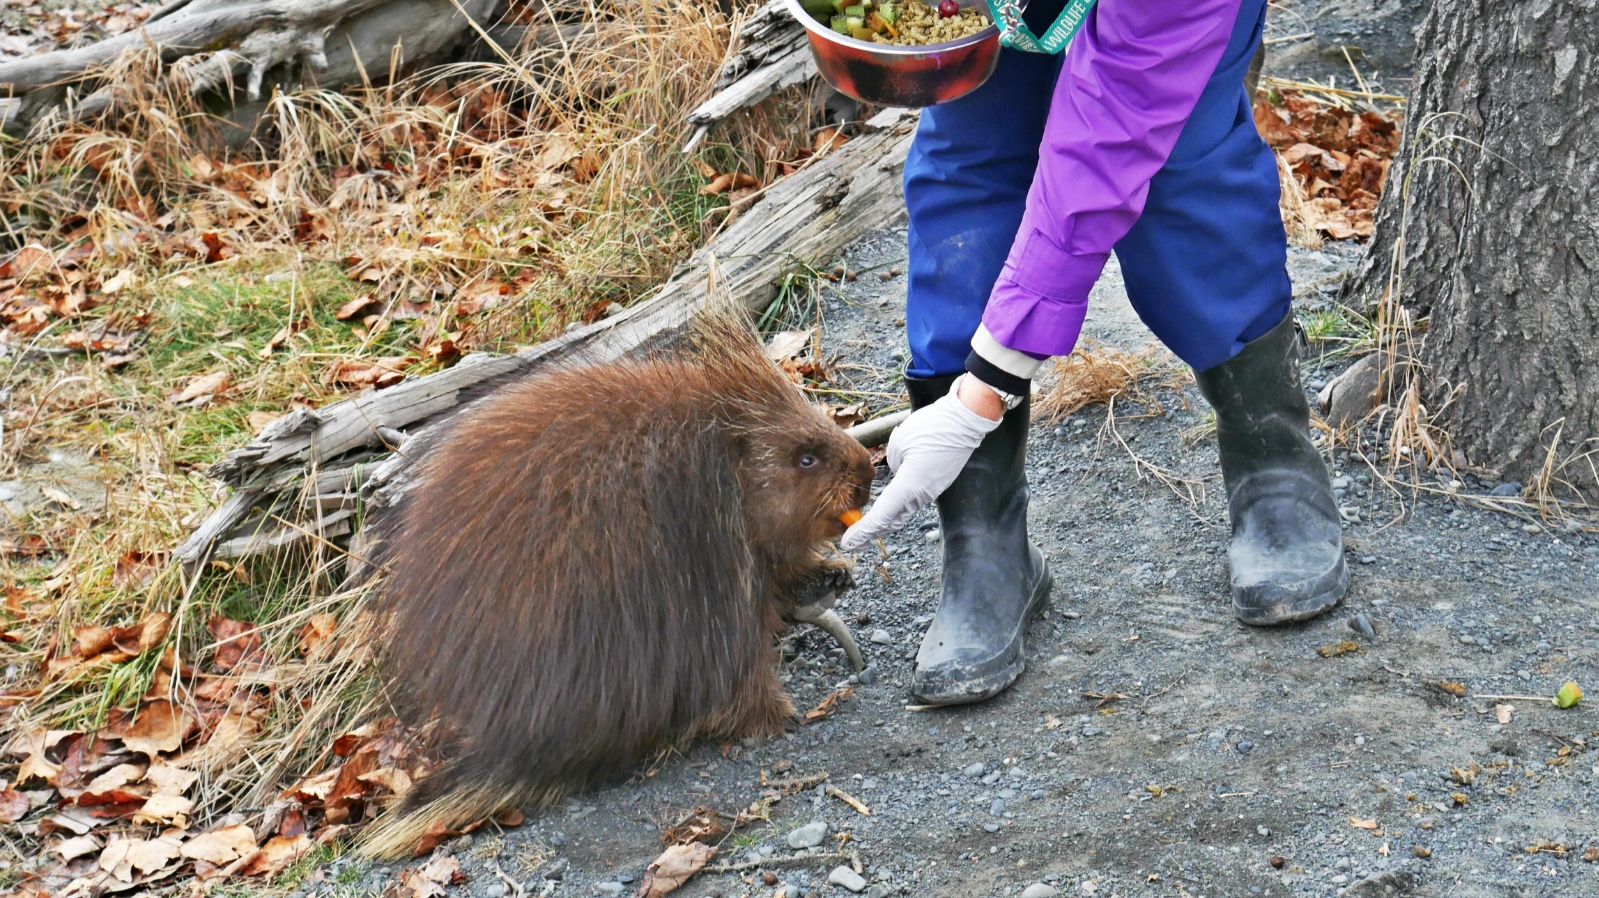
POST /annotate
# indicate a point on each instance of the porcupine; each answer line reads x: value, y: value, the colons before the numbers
x: 592, y: 565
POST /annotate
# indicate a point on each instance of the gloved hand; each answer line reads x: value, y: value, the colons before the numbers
x: 926, y: 454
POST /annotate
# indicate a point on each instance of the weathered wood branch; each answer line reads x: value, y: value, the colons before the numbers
x: 339, y: 456
x: 770, y: 53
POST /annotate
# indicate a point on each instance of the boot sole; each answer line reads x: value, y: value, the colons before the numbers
x: 1257, y: 612
x: 968, y: 691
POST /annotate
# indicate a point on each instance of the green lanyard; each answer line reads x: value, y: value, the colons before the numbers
x: 1013, y: 32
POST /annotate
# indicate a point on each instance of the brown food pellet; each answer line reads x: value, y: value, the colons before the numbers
x: 1277, y: 861
x: 769, y: 878
x: 850, y: 276
x: 920, y: 24
x: 1421, y: 852
x: 884, y: 276
x: 893, y: 272
x: 838, y: 271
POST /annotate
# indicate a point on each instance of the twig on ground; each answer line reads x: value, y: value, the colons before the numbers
x: 848, y: 799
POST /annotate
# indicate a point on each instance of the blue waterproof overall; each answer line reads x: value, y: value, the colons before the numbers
x: 1205, y: 266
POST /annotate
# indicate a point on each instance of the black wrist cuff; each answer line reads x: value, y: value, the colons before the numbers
x: 991, y: 374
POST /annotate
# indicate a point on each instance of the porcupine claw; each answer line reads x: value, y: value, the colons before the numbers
x: 822, y: 615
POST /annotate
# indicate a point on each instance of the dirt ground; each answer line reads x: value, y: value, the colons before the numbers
x: 1232, y: 746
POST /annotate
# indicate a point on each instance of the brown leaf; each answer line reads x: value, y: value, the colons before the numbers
x: 1458, y: 690
x: 206, y: 385
x: 13, y: 805
x: 122, y: 857
x: 258, y: 420
x: 60, y: 498
x: 379, y: 373
x: 172, y: 810
x: 355, y: 307
x: 75, y: 847
x: 316, y: 631
x: 277, y: 853
x: 136, y: 568
x: 673, y: 867
x: 221, y: 846
x: 827, y: 140
x: 238, y: 644
x: 829, y: 704
x: 119, y: 282
x: 31, y: 263
x: 1502, y: 712
x: 282, y: 336
x: 786, y: 345
x: 90, y: 641
x: 32, y: 746
x: 1362, y: 824
x: 161, y: 726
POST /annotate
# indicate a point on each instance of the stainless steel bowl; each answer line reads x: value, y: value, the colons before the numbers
x: 902, y: 76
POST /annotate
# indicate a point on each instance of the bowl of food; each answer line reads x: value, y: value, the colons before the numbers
x: 901, y: 52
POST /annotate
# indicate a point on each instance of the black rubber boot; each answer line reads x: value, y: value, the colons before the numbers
x: 1287, y: 552
x: 994, y: 581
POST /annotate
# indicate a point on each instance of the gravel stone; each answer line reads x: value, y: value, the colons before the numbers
x: 881, y: 637
x: 1040, y: 890
x: 975, y: 768
x: 849, y: 879
x: 808, y: 836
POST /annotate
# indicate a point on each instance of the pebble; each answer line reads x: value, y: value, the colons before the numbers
x: 849, y: 879
x: 1058, y: 660
x: 992, y: 778
x: 610, y: 888
x: 808, y: 836
x: 933, y: 535
x: 881, y: 637
x: 997, y: 807
x: 1092, y: 731
x: 1468, y: 640
x: 976, y: 768
x: 868, y: 675
x: 991, y: 827
x: 1506, y: 489
x: 495, y: 890
x: 1361, y: 624
x: 1244, y: 746
x: 1040, y: 890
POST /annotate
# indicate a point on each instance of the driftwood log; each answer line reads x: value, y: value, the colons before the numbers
x: 211, y: 44
x: 770, y: 52
x: 307, y: 474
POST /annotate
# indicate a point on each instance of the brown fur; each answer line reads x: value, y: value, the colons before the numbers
x: 593, y: 564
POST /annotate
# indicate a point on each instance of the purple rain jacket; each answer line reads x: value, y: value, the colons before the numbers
x: 1128, y: 83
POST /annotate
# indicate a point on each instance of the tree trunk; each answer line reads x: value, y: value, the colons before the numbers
x: 1491, y: 210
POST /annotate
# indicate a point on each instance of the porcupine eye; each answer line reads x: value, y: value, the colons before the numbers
x: 808, y: 461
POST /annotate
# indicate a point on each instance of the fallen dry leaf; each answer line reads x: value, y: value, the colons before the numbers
x: 238, y: 644
x: 1502, y: 712
x: 258, y: 420
x: 60, y: 498
x: 32, y: 745
x: 673, y: 867
x: 827, y: 140
x: 119, y: 282
x: 355, y: 307
x: 316, y: 631
x: 1458, y: 690
x: 13, y: 804
x: 122, y: 857
x: 172, y: 810
x: 77, y: 846
x: 1362, y: 824
x: 829, y: 704
x: 278, y: 852
x: 90, y: 641
x: 205, y: 386
x: 161, y: 726
x: 429, y: 881
x: 379, y: 373
x: 136, y: 568
x: 786, y: 345
x: 221, y: 846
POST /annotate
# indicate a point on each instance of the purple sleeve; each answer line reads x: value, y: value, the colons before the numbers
x: 1128, y: 84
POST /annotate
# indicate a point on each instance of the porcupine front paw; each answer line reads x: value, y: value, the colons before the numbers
x: 833, y: 578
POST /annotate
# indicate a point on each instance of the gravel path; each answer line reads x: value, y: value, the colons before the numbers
x: 1240, y: 762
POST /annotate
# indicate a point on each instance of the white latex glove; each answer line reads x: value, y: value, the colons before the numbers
x: 926, y: 454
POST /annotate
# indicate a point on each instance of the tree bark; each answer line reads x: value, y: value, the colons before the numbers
x: 1489, y: 225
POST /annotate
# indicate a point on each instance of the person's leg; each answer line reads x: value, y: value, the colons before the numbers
x: 1206, y: 268
x: 966, y: 181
